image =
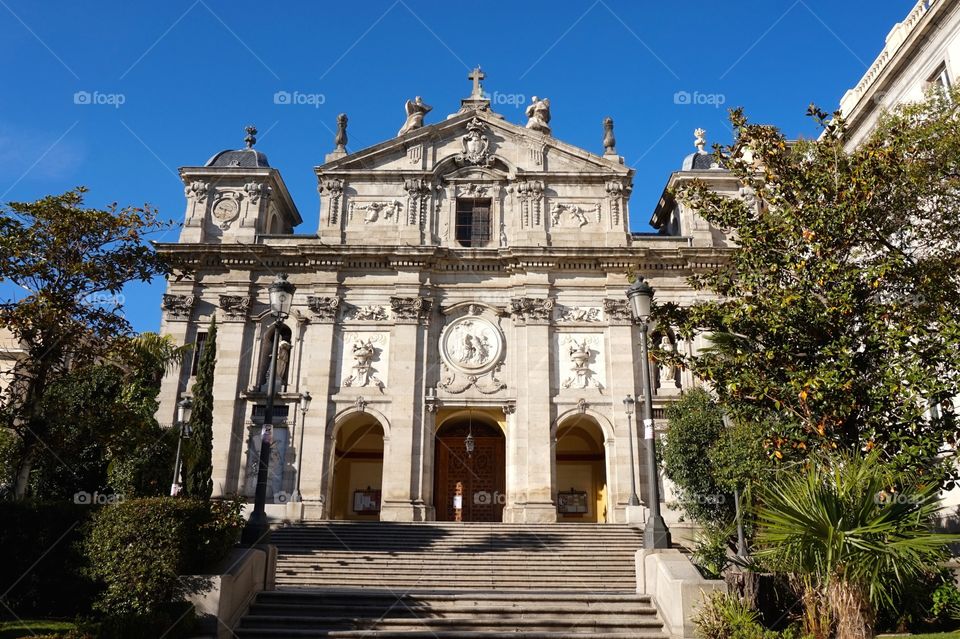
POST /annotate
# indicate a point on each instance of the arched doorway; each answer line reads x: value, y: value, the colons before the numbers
x: 357, y: 469
x: 581, y: 471
x: 481, y: 473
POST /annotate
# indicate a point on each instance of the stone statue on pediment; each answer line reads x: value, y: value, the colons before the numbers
x: 416, y: 109
x: 538, y: 115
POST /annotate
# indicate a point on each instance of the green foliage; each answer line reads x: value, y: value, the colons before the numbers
x: 852, y: 530
x: 929, y: 602
x: 74, y: 262
x: 43, y: 568
x: 695, y: 425
x: 739, y: 458
x: 198, y: 449
x: 946, y: 601
x: 103, y: 436
x: 834, y: 320
x: 723, y: 616
x: 711, y: 549
x: 137, y: 549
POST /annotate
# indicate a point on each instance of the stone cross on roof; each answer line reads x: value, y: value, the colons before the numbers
x: 476, y: 75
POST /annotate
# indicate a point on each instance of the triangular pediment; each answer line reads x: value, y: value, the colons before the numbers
x: 474, y: 141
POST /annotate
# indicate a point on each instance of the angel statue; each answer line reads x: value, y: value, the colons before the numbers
x: 416, y: 109
x: 538, y: 114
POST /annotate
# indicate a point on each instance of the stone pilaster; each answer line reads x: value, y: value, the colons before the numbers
x: 622, y: 380
x: 402, y: 498
x: 234, y: 335
x: 532, y: 472
x: 317, y: 371
x: 177, y: 315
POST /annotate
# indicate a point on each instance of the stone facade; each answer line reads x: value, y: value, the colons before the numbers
x: 467, y: 278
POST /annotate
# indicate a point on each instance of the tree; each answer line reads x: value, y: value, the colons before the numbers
x: 836, y: 318
x: 102, y: 431
x: 198, y: 449
x: 73, y: 263
x: 853, y: 533
x: 695, y: 425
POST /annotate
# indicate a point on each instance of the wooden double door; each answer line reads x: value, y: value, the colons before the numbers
x: 482, y: 474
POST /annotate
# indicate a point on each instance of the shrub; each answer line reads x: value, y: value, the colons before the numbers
x: 696, y: 424
x: 138, y: 548
x: 710, y: 550
x: 43, y: 567
x: 723, y: 616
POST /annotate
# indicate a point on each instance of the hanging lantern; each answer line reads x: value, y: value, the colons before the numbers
x: 468, y: 443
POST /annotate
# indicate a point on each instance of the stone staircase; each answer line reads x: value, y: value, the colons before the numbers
x: 454, y: 581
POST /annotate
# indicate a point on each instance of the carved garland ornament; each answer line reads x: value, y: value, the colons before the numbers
x: 334, y: 188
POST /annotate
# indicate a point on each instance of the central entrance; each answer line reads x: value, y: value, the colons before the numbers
x: 482, y: 473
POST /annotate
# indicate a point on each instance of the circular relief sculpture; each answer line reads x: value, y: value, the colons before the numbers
x: 471, y: 345
x: 225, y: 210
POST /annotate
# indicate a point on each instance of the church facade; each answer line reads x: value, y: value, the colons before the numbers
x: 459, y: 321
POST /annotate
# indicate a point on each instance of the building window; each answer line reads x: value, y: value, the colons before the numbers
x: 473, y: 222
x: 197, y: 352
x: 940, y: 80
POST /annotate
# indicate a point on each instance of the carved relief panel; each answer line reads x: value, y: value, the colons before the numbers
x: 364, y: 357
x: 580, y: 361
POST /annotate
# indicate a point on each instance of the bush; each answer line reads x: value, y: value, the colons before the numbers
x: 43, y: 568
x: 710, y: 550
x: 723, y: 616
x: 696, y: 424
x: 138, y: 548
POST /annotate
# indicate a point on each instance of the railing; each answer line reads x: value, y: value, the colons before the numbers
x: 897, y: 36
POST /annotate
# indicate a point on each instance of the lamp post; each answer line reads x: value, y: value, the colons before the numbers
x: 628, y: 404
x: 184, y: 409
x: 257, y: 529
x: 305, y: 400
x: 655, y: 532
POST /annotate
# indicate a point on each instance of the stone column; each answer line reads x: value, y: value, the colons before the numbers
x: 534, y: 411
x: 402, y: 462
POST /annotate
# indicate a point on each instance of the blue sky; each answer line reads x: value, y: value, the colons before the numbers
x: 171, y: 83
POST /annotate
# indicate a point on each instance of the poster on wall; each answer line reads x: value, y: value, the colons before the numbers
x: 573, y: 502
x: 366, y: 502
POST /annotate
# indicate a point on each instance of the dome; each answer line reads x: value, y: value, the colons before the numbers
x: 247, y: 158
x: 699, y: 161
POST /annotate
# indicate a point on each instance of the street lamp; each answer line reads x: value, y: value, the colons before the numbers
x: 655, y: 532
x: 628, y: 404
x: 184, y: 409
x: 257, y: 529
x: 305, y: 400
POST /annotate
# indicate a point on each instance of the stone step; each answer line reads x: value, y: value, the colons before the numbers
x: 519, y: 583
x: 283, y: 632
x: 566, y: 623
x: 348, y: 595
x: 458, y: 611
x: 454, y: 581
